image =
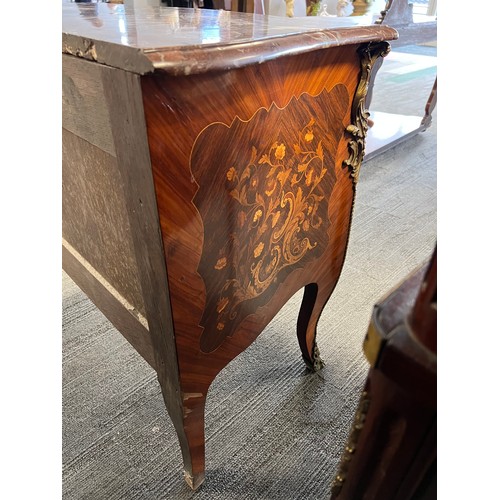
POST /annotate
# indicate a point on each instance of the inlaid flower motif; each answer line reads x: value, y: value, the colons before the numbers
x: 221, y: 263
x: 221, y: 305
x: 231, y: 173
x: 278, y: 200
x: 276, y: 217
x: 309, y: 177
x: 258, y: 249
x: 270, y: 186
x: 283, y: 176
x: 280, y: 152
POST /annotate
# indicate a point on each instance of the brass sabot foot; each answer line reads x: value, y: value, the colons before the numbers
x: 317, y: 363
x: 195, y: 481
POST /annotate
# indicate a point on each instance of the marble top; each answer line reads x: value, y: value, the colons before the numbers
x: 187, y: 41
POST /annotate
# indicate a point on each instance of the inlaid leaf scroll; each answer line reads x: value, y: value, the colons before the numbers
x: 264, y: 190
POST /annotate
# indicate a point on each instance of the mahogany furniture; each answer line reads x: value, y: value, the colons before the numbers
x: 210, y: 161
x: 391, y: 451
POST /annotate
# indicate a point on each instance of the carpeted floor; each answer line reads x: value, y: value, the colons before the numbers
x: 273, y: 431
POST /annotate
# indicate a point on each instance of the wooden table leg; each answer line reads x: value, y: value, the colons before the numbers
x: 429, y: 107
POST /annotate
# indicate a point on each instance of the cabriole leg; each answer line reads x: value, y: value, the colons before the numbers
x: 310, y: 311
x: 187, y: 411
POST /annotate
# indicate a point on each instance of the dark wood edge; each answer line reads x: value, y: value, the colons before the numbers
x: 127, y: 320
x: 429, y: 107
x: 420, y: 480
x: 393, y: 347
x: 124, y: 97
x: 412, y: 366
x: 407, y: 288
x: 200, y: 59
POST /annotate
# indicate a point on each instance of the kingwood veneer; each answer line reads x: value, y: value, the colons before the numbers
x: 210, y: 162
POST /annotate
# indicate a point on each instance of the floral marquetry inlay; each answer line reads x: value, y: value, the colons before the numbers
x: 270, y: 183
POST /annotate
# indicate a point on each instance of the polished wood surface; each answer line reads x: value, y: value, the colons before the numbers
x: 242, y: 164
x: 391, y: 451
x: 236, y: 180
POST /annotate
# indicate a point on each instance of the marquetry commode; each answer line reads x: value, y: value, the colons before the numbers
x: 210, y: 161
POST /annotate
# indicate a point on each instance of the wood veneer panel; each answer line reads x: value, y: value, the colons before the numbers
x: 95, y: 220
x: 269, y: 217
x: 198, y: 128
x: 228, y: 96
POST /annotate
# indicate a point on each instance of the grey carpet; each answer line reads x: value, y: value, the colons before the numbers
x: 273, y: 431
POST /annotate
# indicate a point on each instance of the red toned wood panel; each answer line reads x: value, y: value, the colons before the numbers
x: 202, y: 127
